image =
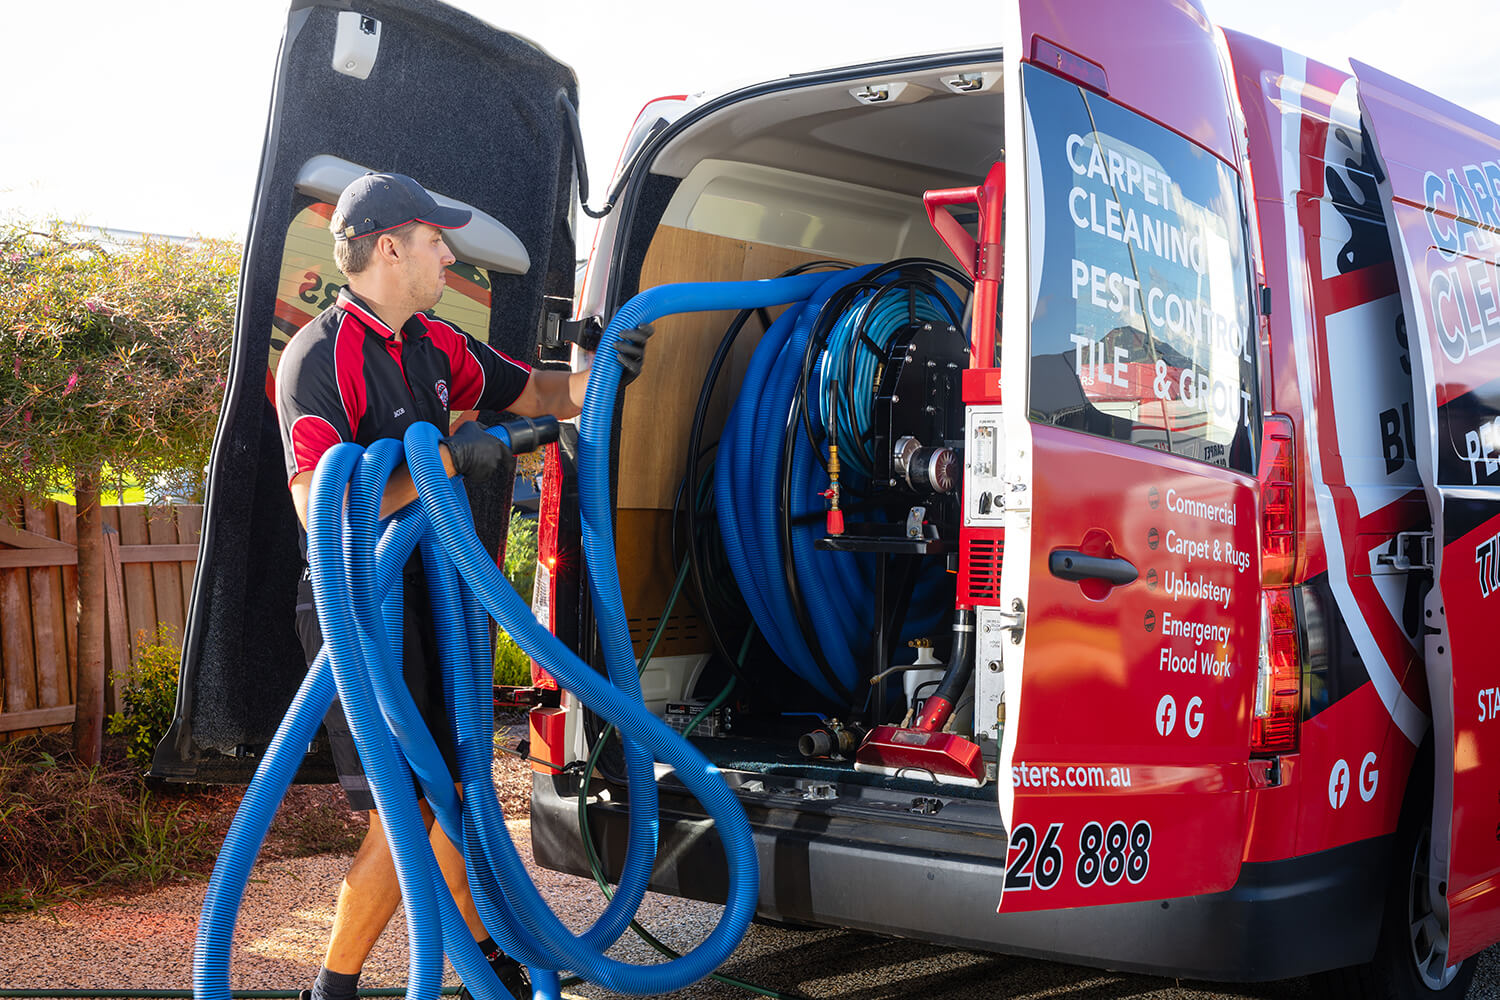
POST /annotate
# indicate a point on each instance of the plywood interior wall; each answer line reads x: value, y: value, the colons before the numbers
x: 659, y: 405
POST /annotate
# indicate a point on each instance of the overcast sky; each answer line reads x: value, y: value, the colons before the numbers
x: 149, y: 115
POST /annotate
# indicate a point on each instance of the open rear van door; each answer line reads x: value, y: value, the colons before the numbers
x: 482, y: 120
x: 1441, y: 187
x: 1132, y: 420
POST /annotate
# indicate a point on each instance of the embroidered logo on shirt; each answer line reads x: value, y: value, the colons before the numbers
x: 441, y: 388
x: 399, y: 411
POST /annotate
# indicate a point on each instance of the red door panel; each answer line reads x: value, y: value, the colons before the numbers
x: 1441, y: 188
x: 1131, y: 429
x: 1131, y: 748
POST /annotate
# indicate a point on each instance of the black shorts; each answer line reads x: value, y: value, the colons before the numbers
x: 420, y: 668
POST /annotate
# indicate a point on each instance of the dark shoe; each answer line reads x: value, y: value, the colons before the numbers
x: 512, y: 975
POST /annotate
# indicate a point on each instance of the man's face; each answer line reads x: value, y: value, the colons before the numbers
x: 425, y: 258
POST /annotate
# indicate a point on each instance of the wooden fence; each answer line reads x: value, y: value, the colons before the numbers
x: 149, y: 557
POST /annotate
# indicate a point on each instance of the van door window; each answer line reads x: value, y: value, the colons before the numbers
x: 1141, y: 326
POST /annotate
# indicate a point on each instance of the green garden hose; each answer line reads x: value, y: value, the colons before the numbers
x: 595, y: 866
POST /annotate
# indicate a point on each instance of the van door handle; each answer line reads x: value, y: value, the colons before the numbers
x: 1070, y: 564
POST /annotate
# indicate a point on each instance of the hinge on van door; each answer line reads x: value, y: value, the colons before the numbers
x: 1413, y: 550
x: 557, y: 331
x: 586, y: 333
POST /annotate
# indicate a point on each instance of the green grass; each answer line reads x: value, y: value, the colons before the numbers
x: 115, y: 491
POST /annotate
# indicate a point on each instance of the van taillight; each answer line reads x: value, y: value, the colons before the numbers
x: 544, y: 590
x: 1278, y: 682
x: 1278, y: 511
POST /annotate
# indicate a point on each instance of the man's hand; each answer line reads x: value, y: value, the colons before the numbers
x: 475, y: 454
x: 631, y: 347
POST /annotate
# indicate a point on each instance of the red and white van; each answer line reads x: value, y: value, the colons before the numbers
x: 1226, y: 521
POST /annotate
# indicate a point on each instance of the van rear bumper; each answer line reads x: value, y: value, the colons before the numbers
x: 865, y: 861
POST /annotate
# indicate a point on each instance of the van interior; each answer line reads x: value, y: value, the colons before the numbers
x: 833, y: 170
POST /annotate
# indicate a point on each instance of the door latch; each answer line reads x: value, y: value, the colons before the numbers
x: 1411, y: 550
x: 586, y: 332
x: 1014, y: 621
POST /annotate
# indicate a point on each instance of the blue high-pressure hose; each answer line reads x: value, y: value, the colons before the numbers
x: 356, y: 564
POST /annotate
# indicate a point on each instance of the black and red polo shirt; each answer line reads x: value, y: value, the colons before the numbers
x: 346, y: 376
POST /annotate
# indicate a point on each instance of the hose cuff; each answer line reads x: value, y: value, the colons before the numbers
x: 530, y: 433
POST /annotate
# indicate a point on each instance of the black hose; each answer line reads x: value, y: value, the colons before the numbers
x: 960, y: 663
x: 916, y: 694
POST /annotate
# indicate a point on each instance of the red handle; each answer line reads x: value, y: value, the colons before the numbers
x: 963, y: 246
x: 982, y: 258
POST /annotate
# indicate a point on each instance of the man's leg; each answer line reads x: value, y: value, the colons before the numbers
x: 370, y: 893
x: 423, y: 677
x: 451, y: 861
x: 367, y: 900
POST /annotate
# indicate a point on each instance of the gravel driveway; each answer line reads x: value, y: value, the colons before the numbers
x: 146, y: 942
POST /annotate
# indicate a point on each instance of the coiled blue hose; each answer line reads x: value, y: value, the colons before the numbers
x: 747, y: 479
x: 760, y: 440
x: 876, y: 318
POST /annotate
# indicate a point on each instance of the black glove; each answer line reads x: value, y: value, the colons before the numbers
x: 631, y: 347
x: 476, y: 454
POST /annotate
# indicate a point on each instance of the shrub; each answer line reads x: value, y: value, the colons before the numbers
x: 111, y: 355
x: 149, y: 695
x: 520, y: 555
x: 66, y: 827
x: 512, y: 665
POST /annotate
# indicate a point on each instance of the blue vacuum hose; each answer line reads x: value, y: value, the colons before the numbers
x: 356, y: 562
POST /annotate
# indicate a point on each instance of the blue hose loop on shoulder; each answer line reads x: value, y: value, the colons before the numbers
x: 631, y: 718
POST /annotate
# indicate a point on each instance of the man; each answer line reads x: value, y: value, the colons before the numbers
x: 366, y: 368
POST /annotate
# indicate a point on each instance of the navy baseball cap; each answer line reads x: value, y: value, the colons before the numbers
x: 378, y: 203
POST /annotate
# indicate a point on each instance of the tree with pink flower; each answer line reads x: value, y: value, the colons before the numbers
x: 111, y: 357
